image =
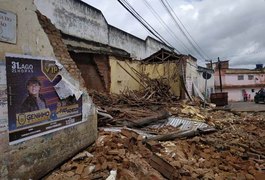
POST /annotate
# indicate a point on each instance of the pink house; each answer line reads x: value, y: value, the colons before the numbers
x: 239, y: 83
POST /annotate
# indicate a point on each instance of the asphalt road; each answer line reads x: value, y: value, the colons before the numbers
x: 247, y: 106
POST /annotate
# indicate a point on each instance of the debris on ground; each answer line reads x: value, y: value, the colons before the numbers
x: 122, y: 152
x: 235, y: 151
x: 143, y: 135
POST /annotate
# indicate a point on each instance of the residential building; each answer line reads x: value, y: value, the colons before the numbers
x: 238, y: 82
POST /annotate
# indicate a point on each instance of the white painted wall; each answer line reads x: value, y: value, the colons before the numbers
x: 232, y: 79
x: 191, y: 74
x: 32, y: 159
x: 84, y: 21
x: 74, y: 18
x: 210, y: 84
x: 120, y: 39
x: 235, y: 94
x: 31, y: 39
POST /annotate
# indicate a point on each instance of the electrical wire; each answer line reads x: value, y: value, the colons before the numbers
x: 167, y: 28
x: 180, y: 28
x: 203, y: 52
x: 134, y: 13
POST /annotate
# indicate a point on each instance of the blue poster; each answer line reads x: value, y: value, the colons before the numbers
x: 34, y: 107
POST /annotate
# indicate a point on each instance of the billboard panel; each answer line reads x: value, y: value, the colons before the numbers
x: 34, y: 107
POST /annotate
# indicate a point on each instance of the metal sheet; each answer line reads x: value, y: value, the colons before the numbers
x: 186, y: 123
x: 118, y: 129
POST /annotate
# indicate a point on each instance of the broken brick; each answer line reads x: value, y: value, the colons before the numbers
x: 80, y: 168
x: 113, y: 152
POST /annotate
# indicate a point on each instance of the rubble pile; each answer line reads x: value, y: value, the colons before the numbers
x: 235, y: 151
x: 101, y: 99
x: 161, y: 131
x: 155, y: 92
x: 195, y: 159
x: 245, y: 131
x: 188, y: 111
x: 121, y: 108
x: 121, y: 152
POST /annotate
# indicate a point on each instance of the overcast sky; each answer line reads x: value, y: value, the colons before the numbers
x: 229, y: 29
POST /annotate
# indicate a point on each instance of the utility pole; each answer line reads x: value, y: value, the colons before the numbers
x: 220, y: 77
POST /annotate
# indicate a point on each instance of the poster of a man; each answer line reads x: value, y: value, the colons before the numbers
x: 34, y: 101
x: 34, y: 106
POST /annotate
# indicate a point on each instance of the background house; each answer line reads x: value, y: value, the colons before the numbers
x: 237, y: 81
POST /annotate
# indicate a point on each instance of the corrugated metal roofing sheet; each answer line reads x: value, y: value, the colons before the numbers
x: 186, y: 123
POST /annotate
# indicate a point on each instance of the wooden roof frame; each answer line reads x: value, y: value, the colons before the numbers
x: 161, y: 56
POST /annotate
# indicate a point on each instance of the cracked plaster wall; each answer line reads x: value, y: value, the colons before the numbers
x: 33, y: 158
x: 78, y: 19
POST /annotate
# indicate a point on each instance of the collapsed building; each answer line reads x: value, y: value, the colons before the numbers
x: 70, y: 48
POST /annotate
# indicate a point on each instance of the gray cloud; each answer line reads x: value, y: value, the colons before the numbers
x: 227, y: 29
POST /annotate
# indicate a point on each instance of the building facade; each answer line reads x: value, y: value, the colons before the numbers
x: 239, y: 82
x: 33, y: 143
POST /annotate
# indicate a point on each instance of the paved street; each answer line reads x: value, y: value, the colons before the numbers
x: 246, y: 106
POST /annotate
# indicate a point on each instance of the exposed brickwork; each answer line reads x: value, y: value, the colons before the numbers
x: 103, y: 68
x: 90, y: 72
x: 59, y: 48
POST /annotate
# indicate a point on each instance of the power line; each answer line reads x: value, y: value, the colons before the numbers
x: 129, y: 8
x: 162, y: 22
x: 169, y: 9
x: 172, y: 14
x: 135, y: 14
x: 186, y: 30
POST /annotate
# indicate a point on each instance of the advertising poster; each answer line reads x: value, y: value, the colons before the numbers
x: 34, y: 107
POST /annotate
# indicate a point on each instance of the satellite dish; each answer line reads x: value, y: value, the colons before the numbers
x: 206, y: 75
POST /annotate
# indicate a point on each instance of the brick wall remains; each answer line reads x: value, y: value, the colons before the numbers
x: 59, y: 48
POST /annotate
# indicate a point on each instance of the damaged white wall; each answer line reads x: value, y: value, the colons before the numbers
x: 210, y: 84
x: 31, y: 39
x: 76, y: 18
x: 191, y: 74
x: 33, y: 157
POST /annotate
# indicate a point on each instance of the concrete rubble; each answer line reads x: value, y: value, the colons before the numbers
x: 233, y: 148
